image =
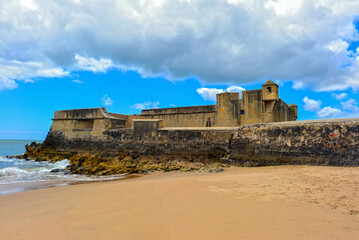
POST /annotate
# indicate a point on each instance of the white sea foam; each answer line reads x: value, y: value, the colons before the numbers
x: 19, y: 170
x: 2, y: 159
x: 18, y: 175
x: 13, y: 171
x: 60, y: 164
x: 16, y: 171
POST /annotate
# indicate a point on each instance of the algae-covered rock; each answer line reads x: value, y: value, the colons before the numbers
x: 332, y: 143
x: 97, y: 165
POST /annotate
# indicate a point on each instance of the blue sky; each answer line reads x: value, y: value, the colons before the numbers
x: 28, y: 109
x: 126, y: 56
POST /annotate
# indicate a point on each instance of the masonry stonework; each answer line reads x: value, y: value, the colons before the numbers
x: 255, y: 106
x: 148, y: 147
x: 254, y: 130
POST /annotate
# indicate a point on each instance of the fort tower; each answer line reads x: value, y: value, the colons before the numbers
x: 255, y: 106
x: 227, y: 110
x: 270, y: 99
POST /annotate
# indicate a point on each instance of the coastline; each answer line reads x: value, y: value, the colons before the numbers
x: 12, y: 188
x: 18, y: 175
x: 281, y: 202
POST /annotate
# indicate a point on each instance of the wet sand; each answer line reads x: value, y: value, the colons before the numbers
x: 284, y: 202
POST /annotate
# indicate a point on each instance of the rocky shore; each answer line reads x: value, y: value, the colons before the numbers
x: 323, y: 142
x: 107, y: 164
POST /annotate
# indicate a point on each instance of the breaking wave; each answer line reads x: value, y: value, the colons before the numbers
x: 19, y: 170
x: 13, y: 171
x: 29, y: 171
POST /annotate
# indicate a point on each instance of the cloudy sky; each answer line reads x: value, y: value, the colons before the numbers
x: 128, y: 55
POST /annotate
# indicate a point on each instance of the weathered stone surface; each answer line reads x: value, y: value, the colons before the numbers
x: 332, y: 143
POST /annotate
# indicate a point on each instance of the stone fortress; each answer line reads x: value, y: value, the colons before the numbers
x: 255, y: 106
x: 257, y: 130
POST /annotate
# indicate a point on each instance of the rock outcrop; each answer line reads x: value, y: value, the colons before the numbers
x: 324, y: 142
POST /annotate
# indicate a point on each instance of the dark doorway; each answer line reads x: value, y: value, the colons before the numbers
x: 208, y: 123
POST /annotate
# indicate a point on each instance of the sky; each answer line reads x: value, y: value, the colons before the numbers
x: 129, y: 55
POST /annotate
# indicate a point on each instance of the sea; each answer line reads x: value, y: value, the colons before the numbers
x: 18, y: 175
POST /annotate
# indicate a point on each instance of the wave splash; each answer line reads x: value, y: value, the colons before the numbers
x: 29, y: 171
x: 13, y: 171
x: 19, y: 170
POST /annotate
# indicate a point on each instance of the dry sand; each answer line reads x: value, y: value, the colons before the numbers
x: 285, y: 202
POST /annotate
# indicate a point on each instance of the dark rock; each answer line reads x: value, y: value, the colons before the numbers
x: 58, y: 170
x: 120, y: 151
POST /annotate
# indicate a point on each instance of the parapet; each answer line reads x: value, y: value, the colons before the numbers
x: 85, y: 122
x: 82, y: 114
x: 143, y: 126
x: 179, y: 110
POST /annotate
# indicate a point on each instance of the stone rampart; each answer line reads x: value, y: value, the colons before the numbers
x: 195, y: 116
x: 180, y: 110
x: 321, y: 142
x: 324, y: 142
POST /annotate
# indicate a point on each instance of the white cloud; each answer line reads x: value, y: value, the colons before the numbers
x: 93, y: 65
x: 78, y: 81
x: 13, y: 71
x: 7, y: 84
x: 29, y: 4
x: 337, y: 46
x: 339, y: 96
x: 283, y: 7
x: 230, y: 41
x: 349, y: 108
x: 350, y: 105
x: 209, y: 94
x: 329, y: 112
x: 298, y: 85
x: 172, y: 105
x: 235, y: 89
x: 107, y: 101
x: 311, y: 104
x: 145, y: 105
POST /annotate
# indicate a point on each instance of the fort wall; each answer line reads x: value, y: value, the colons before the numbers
x: 185, y: 120
x: 196, y: 116
x: 179, y: 110
x: 318, y: 142
x: 251, y: 107
x: 283, y: 112
x: 228, y: 108
x: 322, y: 142
x: 85, y: 122
x: 255, y: 106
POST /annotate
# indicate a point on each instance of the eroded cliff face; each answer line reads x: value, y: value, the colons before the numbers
x: 124, y: 151
x: 211, y: 149
x: 333, y: 143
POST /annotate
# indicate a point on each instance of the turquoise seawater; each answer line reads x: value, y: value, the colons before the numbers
x: 18, y: 175
x: 14, y: 147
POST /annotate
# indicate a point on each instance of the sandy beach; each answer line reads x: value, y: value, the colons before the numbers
x: 284, y: 202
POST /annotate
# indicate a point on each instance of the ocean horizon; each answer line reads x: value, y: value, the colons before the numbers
x: 11, y: 147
